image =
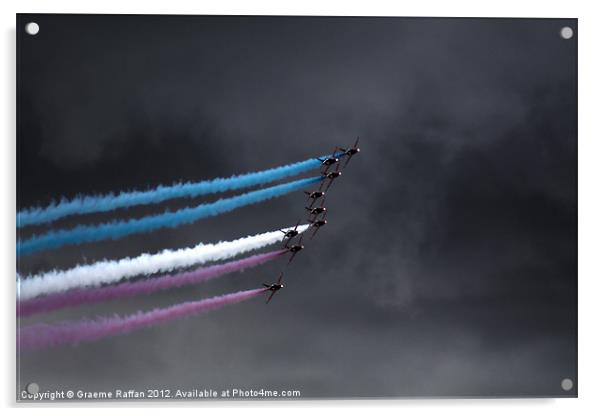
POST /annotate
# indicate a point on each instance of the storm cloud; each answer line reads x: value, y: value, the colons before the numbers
x: 449, y: 262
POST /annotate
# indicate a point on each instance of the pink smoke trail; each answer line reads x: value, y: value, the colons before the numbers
x: 39, y: 336
x: 142, y: 287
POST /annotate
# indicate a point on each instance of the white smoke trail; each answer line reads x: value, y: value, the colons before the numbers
x: 109, y: 271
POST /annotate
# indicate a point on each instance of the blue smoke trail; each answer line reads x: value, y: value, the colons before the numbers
x: 104, y: 203
x: 119, y: 229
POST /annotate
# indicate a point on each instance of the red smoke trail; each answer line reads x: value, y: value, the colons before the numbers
x: 142, y: 287
x: 40, y: 336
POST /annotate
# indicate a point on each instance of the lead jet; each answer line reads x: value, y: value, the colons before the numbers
x: 350, y: 152
x: 274, y: 287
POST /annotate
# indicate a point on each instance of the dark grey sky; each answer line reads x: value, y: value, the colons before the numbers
x: 449, y: 264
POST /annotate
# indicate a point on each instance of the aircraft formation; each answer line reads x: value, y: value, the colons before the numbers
x: 316, y: 216
x: 170, y: 268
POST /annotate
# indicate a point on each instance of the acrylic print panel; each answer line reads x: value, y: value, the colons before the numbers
x: 441, y: 262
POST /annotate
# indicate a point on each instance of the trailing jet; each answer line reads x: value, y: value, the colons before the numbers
x: 290, y: 234
x: 314, y: 196
x: 328, y: 162
x: 273, y: 288
x: 331, y: 177
x: 295, y: 248
x: 316, y: 211
x: 350, y: 152
x: 317, y: 224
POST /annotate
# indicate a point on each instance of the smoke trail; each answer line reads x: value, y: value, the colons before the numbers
x: 103, y: 203
x: 116, y: 230
x: 39, y: 336
x: 144, y: 287
x: 110, y: 271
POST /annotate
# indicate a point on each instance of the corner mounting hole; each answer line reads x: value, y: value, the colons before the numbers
x: 32, y: 28
x: 566, y: 32
x: 567, y: 384
x: 32, y: 388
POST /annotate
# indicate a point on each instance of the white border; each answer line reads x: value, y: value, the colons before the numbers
x: 590, y: 187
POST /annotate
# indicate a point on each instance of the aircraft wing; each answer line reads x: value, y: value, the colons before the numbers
x: 292, y: 257
x: 270, y: 297
x: 346, y: 161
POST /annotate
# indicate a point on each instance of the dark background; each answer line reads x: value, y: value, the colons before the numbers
x: 449, y: 264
